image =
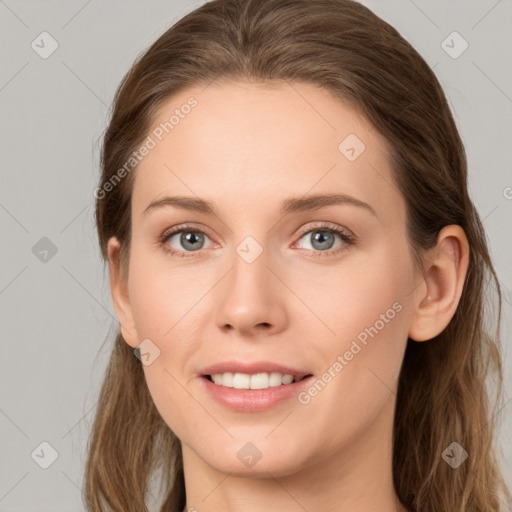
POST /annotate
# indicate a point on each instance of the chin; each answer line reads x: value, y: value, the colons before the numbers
x: 245, y: 459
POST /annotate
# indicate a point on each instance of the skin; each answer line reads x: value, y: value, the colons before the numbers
x: 246, y: 147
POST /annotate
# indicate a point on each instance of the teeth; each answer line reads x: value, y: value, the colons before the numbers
x: 227, y: 380
x: 255, y: 381
x: 287, y: 379
x: 275, y: 379
x: 241, y: 381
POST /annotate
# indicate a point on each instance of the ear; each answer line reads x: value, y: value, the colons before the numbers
x: 437, y: 298
x: 119, y: 291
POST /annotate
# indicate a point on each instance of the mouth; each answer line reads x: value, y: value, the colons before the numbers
x: 255, y: 386
x: 262, y: 380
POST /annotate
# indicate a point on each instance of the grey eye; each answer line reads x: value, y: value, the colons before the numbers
x: 189, y: 240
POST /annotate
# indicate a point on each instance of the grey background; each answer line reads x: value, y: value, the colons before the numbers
x: 56, y: 314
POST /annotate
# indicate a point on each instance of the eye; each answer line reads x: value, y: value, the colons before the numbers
x: 190, y: 239
x: 322, y: 238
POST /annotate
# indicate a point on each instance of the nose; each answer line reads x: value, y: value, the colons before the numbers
x: 251, y: 299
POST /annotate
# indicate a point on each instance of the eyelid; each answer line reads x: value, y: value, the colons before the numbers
x: 318, y: 225
x: 183, y: 227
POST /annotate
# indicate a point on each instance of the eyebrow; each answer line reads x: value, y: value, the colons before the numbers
x: 291, y: 205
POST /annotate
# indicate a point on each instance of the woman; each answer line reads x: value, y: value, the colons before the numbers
x: 323, y: 346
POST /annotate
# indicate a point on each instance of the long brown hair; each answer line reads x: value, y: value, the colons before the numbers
x: 443, y: 391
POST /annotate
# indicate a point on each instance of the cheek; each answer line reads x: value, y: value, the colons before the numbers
x: 366, y: 311
x: 167, y: 309
x: 162, y: 294
x: 177, y: 408
x: 363, y: 297
x: 164, y: 302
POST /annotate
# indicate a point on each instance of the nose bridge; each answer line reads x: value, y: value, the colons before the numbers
x: 251, y: 250
x: 250, y: 274
x: 249, y: 296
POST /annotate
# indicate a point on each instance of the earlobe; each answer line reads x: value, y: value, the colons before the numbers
x: 119, y: 292
x: 436, y: 301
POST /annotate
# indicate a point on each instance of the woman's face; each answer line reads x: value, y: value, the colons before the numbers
x: 262, y: 285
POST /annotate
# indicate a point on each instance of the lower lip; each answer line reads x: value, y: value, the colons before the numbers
x: 254, y: 400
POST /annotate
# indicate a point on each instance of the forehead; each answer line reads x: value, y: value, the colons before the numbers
x: 242, y: 143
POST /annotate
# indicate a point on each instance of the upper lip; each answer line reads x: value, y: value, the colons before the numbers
x: 252, y: 368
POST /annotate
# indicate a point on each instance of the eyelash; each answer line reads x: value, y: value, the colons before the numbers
x: 348, y: 240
